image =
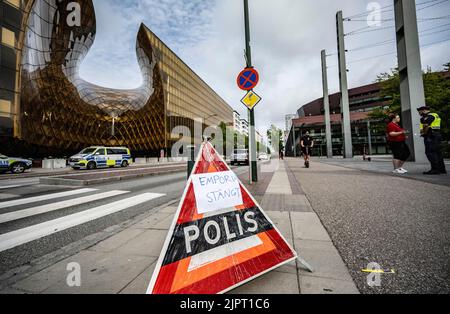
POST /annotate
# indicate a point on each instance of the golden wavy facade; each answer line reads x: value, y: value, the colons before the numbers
x: 188, y: 97
x: 53, y: 111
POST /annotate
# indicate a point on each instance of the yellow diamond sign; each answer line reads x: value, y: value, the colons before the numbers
x: 251, y: 100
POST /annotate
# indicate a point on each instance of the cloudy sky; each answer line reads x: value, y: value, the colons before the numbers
x: 287, y: 37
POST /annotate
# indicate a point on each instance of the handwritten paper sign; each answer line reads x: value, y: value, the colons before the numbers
x: 215, y: 191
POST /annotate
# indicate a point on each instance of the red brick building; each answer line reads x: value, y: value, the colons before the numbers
x: 363, y: 100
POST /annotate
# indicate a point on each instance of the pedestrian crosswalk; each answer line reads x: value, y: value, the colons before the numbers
x: 35, y: 199
x: 22, y: 208
x: 7, y: 187
x: 37, y: 210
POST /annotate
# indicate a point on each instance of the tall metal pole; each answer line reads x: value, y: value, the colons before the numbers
x: 369, y: 137
x: 345, y: 104
x: 294, y: 141
x: 166, y: 120
x: 326, y: 105
x: 410, y: 70
x: 252, y: 136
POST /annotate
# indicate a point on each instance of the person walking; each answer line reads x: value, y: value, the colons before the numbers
x: 397, y: 143
x: 307, y: 143
x: 430, y: 130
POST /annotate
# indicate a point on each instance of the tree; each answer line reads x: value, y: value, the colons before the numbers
x: 437, y: 96
x: 275, y: 135
x: 390, y: 90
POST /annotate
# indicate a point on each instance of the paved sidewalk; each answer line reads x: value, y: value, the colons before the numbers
x: 371, y: 216
x: 384, y: 166
x: 124, y: 262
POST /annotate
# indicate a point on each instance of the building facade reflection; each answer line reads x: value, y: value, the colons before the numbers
x: 55, y: 112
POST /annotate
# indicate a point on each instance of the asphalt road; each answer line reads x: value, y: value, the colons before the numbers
x: 22, y: 198
x: 39, y: 172
x: 399, y: 223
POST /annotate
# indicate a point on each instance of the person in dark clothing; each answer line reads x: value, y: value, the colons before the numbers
x: 430, y: 129
x: 307, y: 143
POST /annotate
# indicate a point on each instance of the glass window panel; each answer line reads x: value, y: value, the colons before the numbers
x: 15, y: 3
x: 8, y: 37
x: 5, y: 108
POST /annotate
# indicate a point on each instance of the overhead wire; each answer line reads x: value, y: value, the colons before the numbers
x: 390, y: 7
x: 420, y: 7
x: 432, y: 5
x: 394, y: 52
x: 389, y: 41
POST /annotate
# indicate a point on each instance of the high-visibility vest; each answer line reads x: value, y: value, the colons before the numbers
x: 436, y: 125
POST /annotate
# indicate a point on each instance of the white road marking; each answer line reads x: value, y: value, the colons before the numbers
x: 17, y: 183
x: 16, y: 186
x: 25, y: 235
x: 45, y: 197
x: 10, y: 187
x: 56, y: 206
x: 4, y: 196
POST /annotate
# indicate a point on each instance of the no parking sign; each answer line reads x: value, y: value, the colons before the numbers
x: 248, y: 79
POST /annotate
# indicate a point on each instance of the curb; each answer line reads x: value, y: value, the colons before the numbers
x: 74, y: 182
x: 68, y: 171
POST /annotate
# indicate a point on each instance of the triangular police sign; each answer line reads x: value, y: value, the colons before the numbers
x: 220, y: 237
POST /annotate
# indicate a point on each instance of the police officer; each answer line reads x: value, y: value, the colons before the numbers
x: 430, y: 129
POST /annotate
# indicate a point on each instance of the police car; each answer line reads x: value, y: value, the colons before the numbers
x: 101, y: 157
x: 14, y: 165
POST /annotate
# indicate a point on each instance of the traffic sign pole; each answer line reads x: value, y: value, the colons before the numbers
x: 252, y: 136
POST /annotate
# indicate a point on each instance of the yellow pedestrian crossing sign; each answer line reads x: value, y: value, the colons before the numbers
x: 251, y: 99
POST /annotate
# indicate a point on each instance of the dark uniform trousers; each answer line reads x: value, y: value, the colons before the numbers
x: 434, y: 152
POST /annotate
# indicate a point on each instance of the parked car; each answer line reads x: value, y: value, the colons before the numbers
x: 14, y: 165
x: 263, y: 156
x: 101, y: 157
x: 240, y: 156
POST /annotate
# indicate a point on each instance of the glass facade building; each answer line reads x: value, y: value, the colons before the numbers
x: 10, y: 31
x: 360, y: 136
x: 46, y: 108
x: 364, y: 142
x: 363, y: 100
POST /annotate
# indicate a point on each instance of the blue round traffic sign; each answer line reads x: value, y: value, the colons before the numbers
x: 248, y: 79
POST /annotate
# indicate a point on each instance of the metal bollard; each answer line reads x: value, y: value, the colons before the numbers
x: 191, y: 160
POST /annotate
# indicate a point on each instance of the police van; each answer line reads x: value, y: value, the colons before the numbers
x: 101, y: 157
